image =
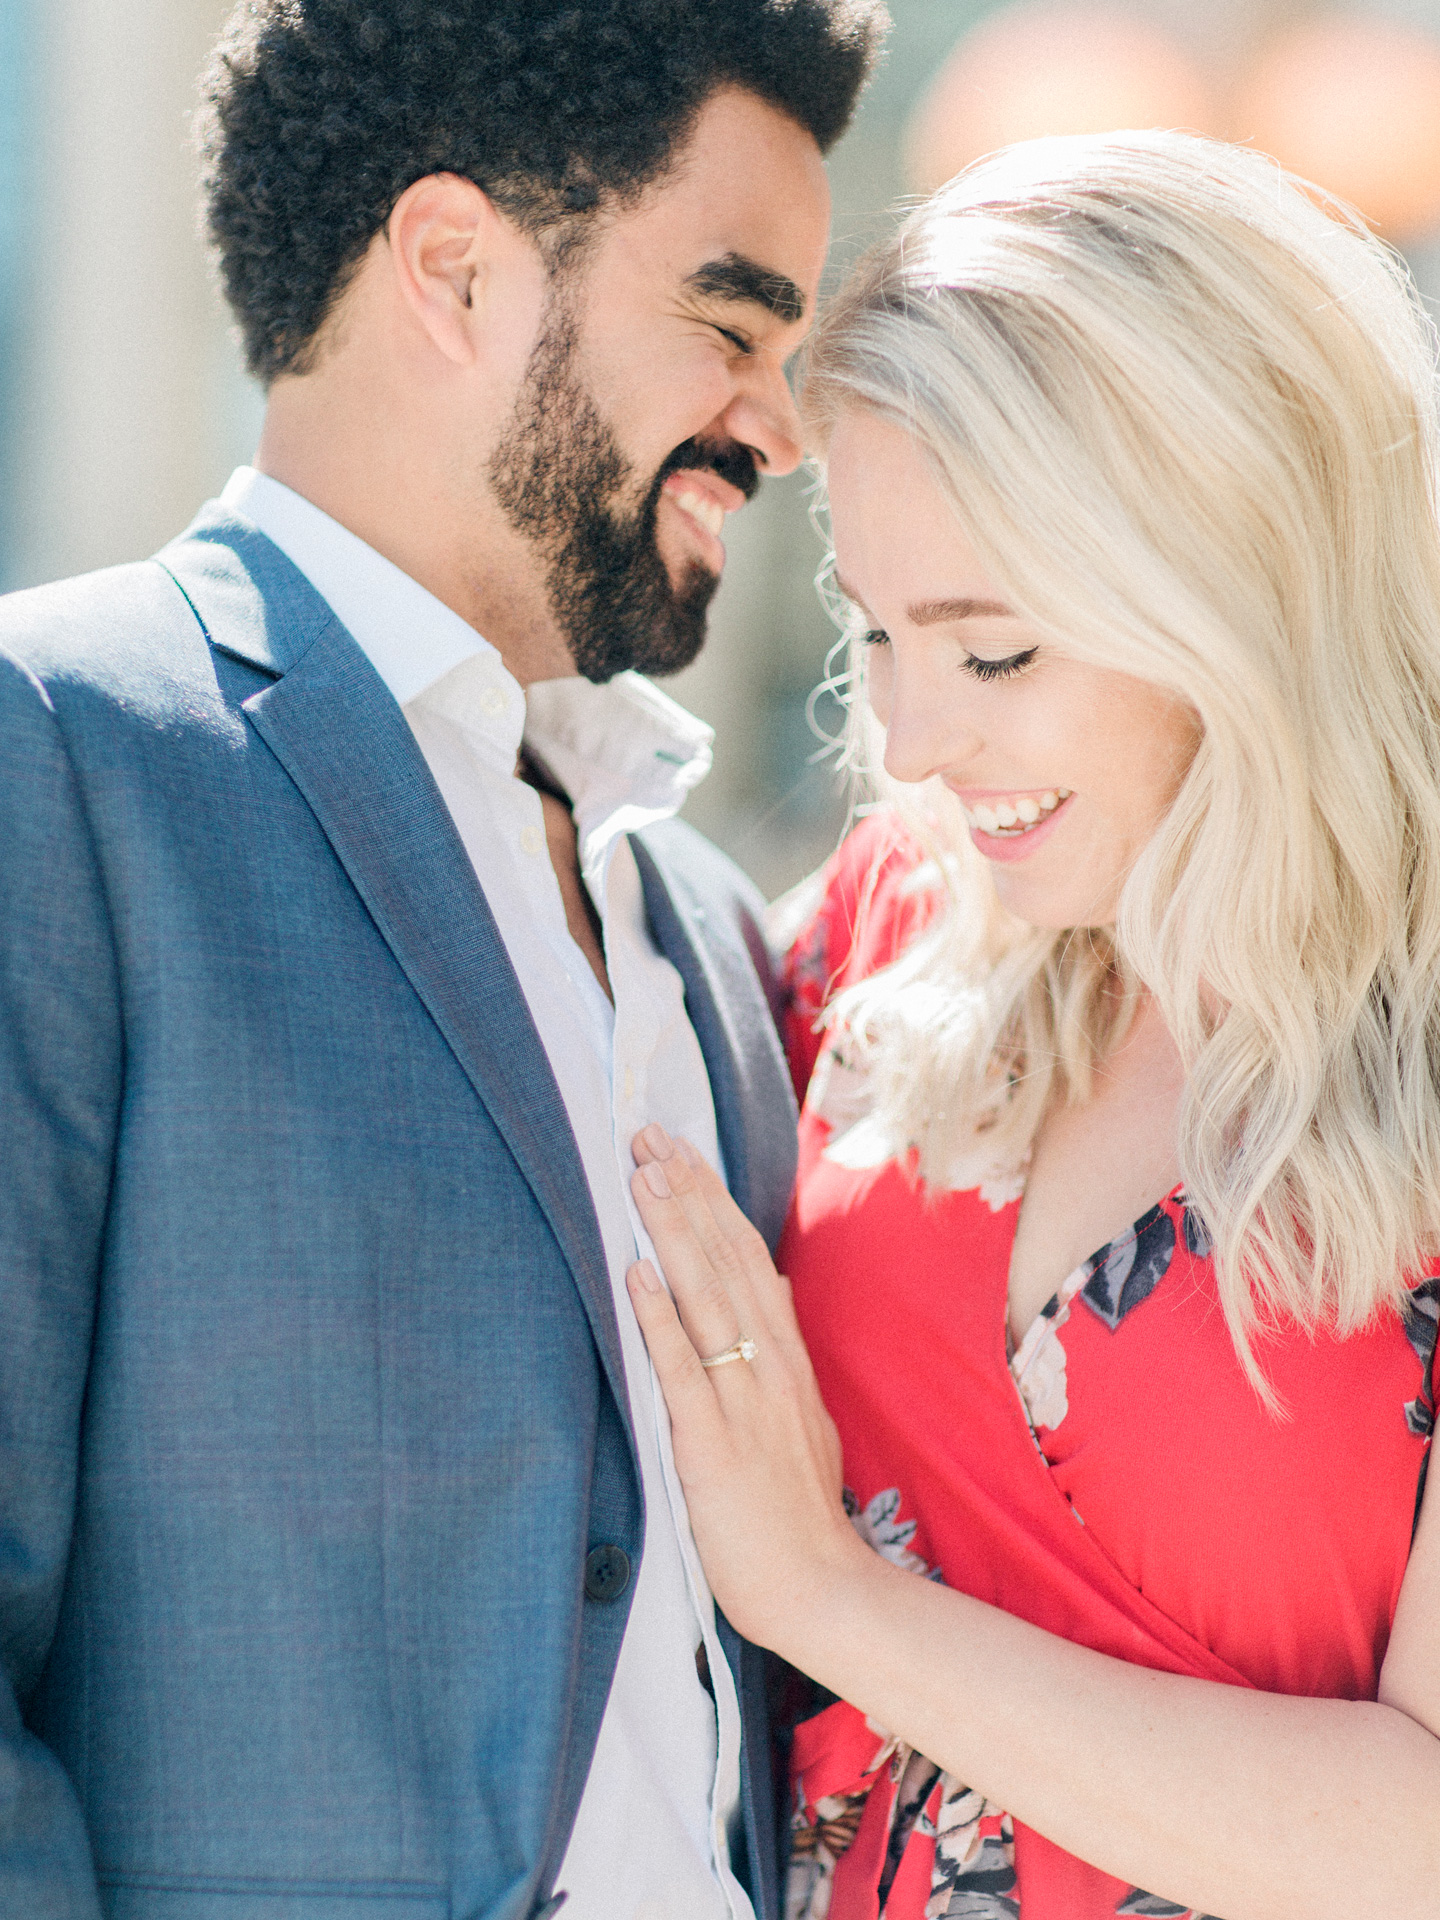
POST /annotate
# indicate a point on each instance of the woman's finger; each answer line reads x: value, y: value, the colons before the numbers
x: 707, y: 1313
x: 737, y: 1252
x: 717, y: 1253
x: 733, y: 1223
x: 732, y: 1262
x: 684, y: 1382
x: 768, y: 1290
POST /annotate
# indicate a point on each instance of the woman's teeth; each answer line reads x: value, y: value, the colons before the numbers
x: 701, y: 507
x: 1007, y: 818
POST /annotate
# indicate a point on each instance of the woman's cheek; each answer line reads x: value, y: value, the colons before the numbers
x: 879, y: 681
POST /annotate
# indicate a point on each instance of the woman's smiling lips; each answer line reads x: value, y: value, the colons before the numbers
x: 1010, y: 824
x: 701, y: 501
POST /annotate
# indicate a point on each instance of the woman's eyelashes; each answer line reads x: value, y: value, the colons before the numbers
x: 999, y: 669
x: 972, y: 662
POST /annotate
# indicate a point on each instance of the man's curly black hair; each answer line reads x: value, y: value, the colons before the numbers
x: 318, y: 114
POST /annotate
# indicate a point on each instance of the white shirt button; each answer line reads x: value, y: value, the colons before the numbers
x: 492, y: 700
x: 532, y: 840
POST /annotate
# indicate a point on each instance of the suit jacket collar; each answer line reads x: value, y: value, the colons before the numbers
x: 252, y: 602
x: 734, y: 1022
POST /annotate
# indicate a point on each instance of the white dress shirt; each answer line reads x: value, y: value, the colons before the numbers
x: 652, y: 1837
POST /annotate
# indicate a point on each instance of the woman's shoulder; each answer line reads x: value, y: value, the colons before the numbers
x: 854, y: 916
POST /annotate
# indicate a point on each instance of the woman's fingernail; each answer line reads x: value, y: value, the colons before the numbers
x: 644, y: 1276
x: 658, y: 1141
x: 655, y: 1179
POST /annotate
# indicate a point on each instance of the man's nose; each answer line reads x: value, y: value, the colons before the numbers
x: 763, y: 417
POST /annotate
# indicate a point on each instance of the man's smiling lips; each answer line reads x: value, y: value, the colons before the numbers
x: 701, y: 501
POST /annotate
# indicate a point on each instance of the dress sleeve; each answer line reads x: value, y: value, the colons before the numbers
x: 876, y: 893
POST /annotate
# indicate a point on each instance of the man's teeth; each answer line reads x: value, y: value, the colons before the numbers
x: 705, y: 509
x: 1009, y: 817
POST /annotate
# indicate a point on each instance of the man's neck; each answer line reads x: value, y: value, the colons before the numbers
x: 462, y: 551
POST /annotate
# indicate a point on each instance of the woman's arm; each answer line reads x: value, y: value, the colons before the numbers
x: 1251, y: 1805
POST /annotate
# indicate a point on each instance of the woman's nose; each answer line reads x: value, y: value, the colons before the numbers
x: 927, y: 727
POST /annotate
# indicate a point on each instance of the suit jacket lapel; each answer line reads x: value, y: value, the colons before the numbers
x: 734, y: 1023
x: 333, y: 725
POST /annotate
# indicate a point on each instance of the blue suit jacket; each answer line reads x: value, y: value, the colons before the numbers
x: 311, y: 1401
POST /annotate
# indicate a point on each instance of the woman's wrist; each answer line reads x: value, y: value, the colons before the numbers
x: 839, y: 1582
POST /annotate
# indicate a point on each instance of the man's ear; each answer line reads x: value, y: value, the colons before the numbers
x: 449, y: 243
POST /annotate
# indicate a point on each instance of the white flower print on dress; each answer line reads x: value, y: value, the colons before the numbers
x: 890, y: 1537
x: 1042, y: 1384
x: 1038, y: 1365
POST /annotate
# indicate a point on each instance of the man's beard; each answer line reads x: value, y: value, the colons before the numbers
x: 561, y: 478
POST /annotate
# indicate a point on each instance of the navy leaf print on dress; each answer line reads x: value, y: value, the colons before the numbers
x: 985, y: 1889
x: 1197, y: 1237
x: 1421, y: 1313
x: 1422, y: 1317
x: 1422, y: 1320
x: 1137, y: 1901
x: 1128, y: 1271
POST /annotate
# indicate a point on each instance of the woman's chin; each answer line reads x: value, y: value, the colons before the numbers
x: 1051, y: 906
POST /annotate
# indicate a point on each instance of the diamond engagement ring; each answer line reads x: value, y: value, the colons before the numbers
x: 742, y: 1350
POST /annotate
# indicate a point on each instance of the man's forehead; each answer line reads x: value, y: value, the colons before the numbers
x: 744, y: 211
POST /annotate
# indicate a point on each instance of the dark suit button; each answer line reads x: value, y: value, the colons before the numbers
x: 607, y: 1573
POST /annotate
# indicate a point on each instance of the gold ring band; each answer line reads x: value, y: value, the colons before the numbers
x: 742, y: 1350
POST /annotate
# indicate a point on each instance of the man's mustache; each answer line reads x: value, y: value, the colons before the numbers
x: 728, y: 458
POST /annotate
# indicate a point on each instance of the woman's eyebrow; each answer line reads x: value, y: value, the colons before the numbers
x: 736, y: 277
x: 929, y: 613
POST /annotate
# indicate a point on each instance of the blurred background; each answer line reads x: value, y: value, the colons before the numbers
x: 122, y: 402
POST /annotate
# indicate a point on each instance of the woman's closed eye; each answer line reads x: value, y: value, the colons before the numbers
x: 999, y: 669
x: 973, y: 663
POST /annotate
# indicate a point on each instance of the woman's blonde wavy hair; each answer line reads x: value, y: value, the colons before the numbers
x: 1187, y: 418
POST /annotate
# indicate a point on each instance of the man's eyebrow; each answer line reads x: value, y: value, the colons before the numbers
x: 929, y: 613
x: 737, y: 277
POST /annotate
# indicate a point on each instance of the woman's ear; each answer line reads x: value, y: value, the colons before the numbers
x: 451, y: 248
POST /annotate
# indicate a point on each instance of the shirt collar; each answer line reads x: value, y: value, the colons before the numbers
x: 409, y: 637
x: 626, y: 753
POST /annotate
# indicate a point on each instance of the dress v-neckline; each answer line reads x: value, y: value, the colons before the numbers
x: 1018, y: 1354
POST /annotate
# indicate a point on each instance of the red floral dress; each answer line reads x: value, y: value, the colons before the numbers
x: 1116, y: 1480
